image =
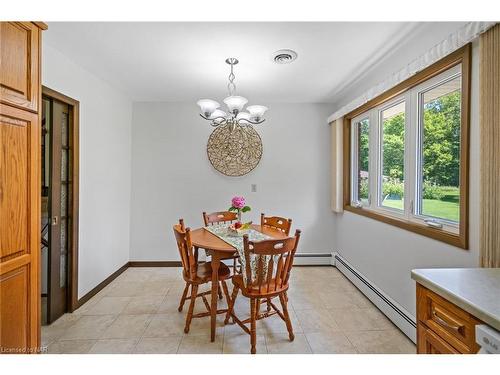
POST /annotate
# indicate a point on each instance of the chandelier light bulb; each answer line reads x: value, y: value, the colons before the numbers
x: 243, y: 115
x: 208, y: 106
x: 235, y: 103
x: 218, y: 113
x: 257, y: 112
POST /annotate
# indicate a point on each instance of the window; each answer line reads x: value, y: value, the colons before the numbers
x: 439, y: 167
x: 392, y: 171
x: 361, y: 162
x: 407, y: 153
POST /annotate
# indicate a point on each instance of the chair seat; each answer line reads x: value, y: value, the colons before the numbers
x: 255, y: 291
x: 204, y: 273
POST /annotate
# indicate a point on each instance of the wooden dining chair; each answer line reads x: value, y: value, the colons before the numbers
x: 276, y: 222
x: 279, y: 223
x: 196, y: 274
x: 222, y: 217
x: 278, y: 254
x: 219, y: 217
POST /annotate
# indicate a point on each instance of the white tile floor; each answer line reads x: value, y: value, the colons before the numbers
x: 137, y: 313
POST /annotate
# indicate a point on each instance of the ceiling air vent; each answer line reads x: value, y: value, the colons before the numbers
x: 284, y: 56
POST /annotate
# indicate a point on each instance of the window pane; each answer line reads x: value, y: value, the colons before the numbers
x: 393, y: 156
x: 440, y: 154
x: 363, y: 160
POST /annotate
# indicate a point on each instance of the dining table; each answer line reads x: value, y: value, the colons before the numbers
x: 219, y: 249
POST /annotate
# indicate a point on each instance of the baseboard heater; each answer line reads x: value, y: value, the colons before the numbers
x: 395, y: 312
x: 313, y: 259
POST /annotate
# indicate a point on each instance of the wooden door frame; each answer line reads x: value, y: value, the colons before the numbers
x: 74, y: 123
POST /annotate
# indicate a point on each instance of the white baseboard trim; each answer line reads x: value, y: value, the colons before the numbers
x: 395, y: 312
x: 312, y: 259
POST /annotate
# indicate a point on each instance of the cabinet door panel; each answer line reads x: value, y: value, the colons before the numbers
x: 19, y: 60
x: 14, y: 308
x: 14, y: 188
x: 19, y: 229
x: 430, y: 343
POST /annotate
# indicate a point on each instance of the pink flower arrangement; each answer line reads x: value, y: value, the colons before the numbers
x: 238, y: 204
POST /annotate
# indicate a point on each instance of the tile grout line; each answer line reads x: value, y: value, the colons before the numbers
x: 149, y: 323
x: 376, y: 327
x: 349, y: 340
x: 121, y: 314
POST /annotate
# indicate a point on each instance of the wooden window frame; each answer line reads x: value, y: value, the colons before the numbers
x: 461, y: 239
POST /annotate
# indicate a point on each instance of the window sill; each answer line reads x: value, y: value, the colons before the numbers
x: 459, y: 240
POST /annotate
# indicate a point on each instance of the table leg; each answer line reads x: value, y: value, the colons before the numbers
x: 215, y: 286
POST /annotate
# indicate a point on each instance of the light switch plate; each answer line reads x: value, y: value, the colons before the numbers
x: 254, y: 188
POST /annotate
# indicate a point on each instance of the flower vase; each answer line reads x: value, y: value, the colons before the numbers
x: 239, y: 215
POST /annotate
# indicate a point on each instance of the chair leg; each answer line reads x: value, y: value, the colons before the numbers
x: 257, y: 312
x: 253, y: 333
x: 194, y: 293
x: 226, y: 291
x: 269, y: 305
x: 231, y: 304
x: 219, y: 290
x: 183, y: 299
x: 287, y: 317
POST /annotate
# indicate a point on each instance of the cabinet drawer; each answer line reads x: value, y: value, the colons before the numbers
x: 453, y: 324
x: 19, y: 65
x: 430, y: 343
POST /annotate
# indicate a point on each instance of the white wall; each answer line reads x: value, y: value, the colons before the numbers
x: 386, y: 254
x: 105, y: 145
x: 172, y: 177
x: 410, y: 48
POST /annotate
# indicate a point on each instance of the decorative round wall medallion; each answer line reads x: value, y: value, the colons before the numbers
x: 234, y: 151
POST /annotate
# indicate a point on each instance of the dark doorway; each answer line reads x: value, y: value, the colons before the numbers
x: 59, y: 220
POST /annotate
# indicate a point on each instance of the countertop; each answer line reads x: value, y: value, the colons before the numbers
x: 476, y: 290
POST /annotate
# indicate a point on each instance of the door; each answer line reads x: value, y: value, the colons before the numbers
x: 19, y: 186
x: 59, y: 213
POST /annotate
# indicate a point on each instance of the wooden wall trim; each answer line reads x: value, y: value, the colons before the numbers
x: 57, y: 95
x: 41, y: 25
x: 119, y: 271
x: 165, y: 263
x: 75, y: 209
x: 101, y: 285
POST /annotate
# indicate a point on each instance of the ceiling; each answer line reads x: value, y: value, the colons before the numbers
x: 181, y: 61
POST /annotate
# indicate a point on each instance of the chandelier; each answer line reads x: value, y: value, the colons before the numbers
x: 235, y: 104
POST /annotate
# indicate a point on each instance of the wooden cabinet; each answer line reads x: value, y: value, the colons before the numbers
x: 19, y: 67
x: 443, y: 327
x: 19, y: 186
